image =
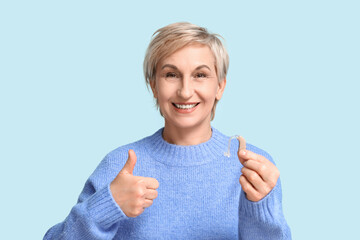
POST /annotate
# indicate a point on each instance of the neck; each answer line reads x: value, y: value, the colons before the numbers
x: 187, y: 136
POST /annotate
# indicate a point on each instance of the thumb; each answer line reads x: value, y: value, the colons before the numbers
x: 130, y: 163
x: 242, y: 146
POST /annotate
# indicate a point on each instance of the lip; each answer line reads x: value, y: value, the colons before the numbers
x: 187, y: 103
x: 186, y: 110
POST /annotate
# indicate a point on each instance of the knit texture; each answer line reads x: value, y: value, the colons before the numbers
x: 199, y: 196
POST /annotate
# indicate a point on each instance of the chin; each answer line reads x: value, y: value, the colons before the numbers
x: 186, y: 123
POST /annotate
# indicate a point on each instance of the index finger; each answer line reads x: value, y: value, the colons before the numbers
x: 246, y: 155
x: 151, y: 183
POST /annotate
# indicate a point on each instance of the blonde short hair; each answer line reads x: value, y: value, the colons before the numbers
x: 171, y: 38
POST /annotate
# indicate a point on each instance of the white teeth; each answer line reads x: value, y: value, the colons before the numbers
x: 187, y: 106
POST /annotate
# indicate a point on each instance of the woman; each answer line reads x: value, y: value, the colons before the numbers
x: 177, y: 183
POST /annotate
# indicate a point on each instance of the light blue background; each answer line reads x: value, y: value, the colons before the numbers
x: 72, y: 90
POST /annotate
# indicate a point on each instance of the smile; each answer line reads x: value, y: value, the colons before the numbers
x: 185, y: 106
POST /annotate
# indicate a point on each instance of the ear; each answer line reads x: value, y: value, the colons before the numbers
x: 153, y: 87
x: 221, y: 89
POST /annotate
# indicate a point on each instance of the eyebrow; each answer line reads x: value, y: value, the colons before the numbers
x: 174, y: 67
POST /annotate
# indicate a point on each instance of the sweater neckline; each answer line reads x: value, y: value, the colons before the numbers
x: 178, y: 155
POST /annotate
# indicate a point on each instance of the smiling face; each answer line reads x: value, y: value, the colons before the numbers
x: 186, y: 87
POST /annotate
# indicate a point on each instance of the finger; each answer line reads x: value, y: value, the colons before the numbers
x: 246, y: 155
x: 147, y: 203
x: 267, y: 170
x: 259, y: 167
x: 130, y: 163
x: 248, y: 188
x: 150, y: 194
x: 256, y: 181
x: 151, y: 183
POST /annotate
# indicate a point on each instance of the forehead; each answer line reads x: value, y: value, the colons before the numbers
x: 190, y: 56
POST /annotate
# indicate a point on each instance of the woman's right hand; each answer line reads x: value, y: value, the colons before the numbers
x: 133, y: 193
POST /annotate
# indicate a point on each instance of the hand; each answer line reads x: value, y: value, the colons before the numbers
x: 259, y: 175
x: 132, y: 193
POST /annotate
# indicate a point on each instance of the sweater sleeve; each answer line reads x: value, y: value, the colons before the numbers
x: 263, y: 219
x: 96, y: 214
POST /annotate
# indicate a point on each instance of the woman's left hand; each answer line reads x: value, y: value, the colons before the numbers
x: 259, y: 175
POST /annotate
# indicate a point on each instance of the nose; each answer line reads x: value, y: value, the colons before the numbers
x: 186, y: 89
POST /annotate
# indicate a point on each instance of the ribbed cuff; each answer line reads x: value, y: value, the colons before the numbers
x: 103, y: 209
x: 267, y: 209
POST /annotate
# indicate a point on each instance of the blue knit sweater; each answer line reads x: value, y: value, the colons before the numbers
x: 199, y: 196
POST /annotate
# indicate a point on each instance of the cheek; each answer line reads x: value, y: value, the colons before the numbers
x: 164, y: 93
x: 209, y: 92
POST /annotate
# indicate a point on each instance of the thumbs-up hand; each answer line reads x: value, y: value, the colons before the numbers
x: 259, y: 175
x: 133, y: 193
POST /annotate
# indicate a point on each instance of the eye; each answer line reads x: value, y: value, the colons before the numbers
x: 171, y: 75
x: 200, y: 75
